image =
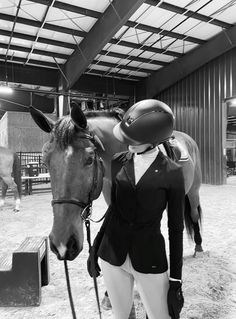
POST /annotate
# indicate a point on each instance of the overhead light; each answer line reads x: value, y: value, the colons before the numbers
x: 5, y: 89
x: 233, y: 102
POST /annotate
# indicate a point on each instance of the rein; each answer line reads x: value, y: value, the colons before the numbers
x: 85, y: 215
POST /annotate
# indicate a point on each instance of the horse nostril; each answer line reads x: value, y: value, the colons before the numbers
x: 53, y: 247
x: 73, y: 248
x: 58, y: 251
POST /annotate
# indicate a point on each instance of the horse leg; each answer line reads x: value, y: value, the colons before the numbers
x: 8, y: 181
x: 4, y: 192
x: 195, y: 218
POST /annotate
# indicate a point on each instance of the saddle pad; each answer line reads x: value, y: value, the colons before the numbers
x: 184, y: 155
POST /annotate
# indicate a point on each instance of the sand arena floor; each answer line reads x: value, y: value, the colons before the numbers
x: 209, y: 281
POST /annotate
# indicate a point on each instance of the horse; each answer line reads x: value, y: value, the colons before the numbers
x: 72, y: 157
x: 78, y: 176
x: 10, y: 175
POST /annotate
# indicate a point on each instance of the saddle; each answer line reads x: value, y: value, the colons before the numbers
x: 175, y: 150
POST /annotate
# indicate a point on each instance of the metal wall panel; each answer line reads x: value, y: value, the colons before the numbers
x: 197, y: 102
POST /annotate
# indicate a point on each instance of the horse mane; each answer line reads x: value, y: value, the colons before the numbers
x: 116, y: 113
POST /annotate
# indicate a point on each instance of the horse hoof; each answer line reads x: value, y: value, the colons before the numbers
x: 198, y: 251
x: 106, y: 304
x: 16, y: 210
x: 198, y: 248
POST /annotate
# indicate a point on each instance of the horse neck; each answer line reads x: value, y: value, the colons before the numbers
x: 103, y: 128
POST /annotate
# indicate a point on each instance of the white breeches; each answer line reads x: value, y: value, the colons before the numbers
x: 152, y: 289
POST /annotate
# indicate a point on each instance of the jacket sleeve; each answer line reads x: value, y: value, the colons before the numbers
x: 176, y: 202
x: 99, y: 236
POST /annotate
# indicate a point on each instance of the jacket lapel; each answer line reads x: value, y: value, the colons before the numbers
x: 152, y: 170
x: 129, y: 168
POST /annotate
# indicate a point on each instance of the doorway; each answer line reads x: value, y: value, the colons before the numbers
x: 231, y: 141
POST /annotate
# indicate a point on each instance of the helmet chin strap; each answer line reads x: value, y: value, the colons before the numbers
x: 139, y: 149
x: 151, y: 147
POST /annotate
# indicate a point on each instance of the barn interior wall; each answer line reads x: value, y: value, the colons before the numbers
x: 19, y: 133
x: 197, y: 102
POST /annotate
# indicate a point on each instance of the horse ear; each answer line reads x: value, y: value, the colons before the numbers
x: 78, y: 116
x: 41, y: 120
x: 99, y: 143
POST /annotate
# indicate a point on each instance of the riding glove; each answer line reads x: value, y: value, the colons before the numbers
x: 92, y: 263
x: 175, y: 299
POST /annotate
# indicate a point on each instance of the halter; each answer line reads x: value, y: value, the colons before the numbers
x: 87, y: 207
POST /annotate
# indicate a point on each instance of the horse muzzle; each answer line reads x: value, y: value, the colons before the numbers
x: 66, y: 252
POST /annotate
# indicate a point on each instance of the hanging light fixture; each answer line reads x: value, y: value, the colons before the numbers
x: 5, y: 88
x: 232, y: 102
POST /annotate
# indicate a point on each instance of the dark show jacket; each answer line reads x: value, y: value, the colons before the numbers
x: 132, y: 222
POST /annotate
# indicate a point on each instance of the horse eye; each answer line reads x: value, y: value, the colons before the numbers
x: 89, y: 161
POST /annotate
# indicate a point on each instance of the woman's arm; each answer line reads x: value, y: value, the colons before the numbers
x: 176, y: 203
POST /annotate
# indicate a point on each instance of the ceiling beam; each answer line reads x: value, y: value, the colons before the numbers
x: 133, y: 58
x: 79, y: 33
x: 73, y: 46
x: 113, y: 75
x: 67, y: 45
x: 16, y: 59
x: 177, y: 70
x: 35, y: 76
x: 71, y: 8
x: 32, y: 38
x: 114, y: 17
x: 32, y: 75
x: 36, y: 51
x: 47, y: 26
x: 145, y: 48
x: 122, y: 66
x: 161, y: 32
x: 188, y: 13
x: 131, y: 24
x: 105, y: 85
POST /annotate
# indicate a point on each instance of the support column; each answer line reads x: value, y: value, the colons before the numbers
x: 64, y: 98
x: 60, y: 105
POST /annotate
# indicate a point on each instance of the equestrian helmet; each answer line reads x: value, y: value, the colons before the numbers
x: 147, y: 121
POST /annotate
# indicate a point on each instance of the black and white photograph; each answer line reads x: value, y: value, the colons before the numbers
x: 117, y: 159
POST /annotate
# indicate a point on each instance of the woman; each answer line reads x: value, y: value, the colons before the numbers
x: 130, y: 244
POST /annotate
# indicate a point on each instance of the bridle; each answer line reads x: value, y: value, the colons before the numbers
x: 87, y: 207
x: 86, y: 217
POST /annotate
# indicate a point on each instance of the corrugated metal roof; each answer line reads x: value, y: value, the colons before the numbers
x: 46, y: 33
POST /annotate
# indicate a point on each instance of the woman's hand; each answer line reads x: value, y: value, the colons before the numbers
x: 92, y: 263
x: 175, y: 299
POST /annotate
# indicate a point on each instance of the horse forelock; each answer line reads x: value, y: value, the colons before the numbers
x: 65, y: 132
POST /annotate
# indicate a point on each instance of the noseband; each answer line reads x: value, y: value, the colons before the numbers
x: 87, y: 207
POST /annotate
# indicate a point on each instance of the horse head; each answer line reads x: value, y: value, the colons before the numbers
x: 76, y: 173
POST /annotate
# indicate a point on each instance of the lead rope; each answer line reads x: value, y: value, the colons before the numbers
x: 87, y: 225
x: 69, y: 290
